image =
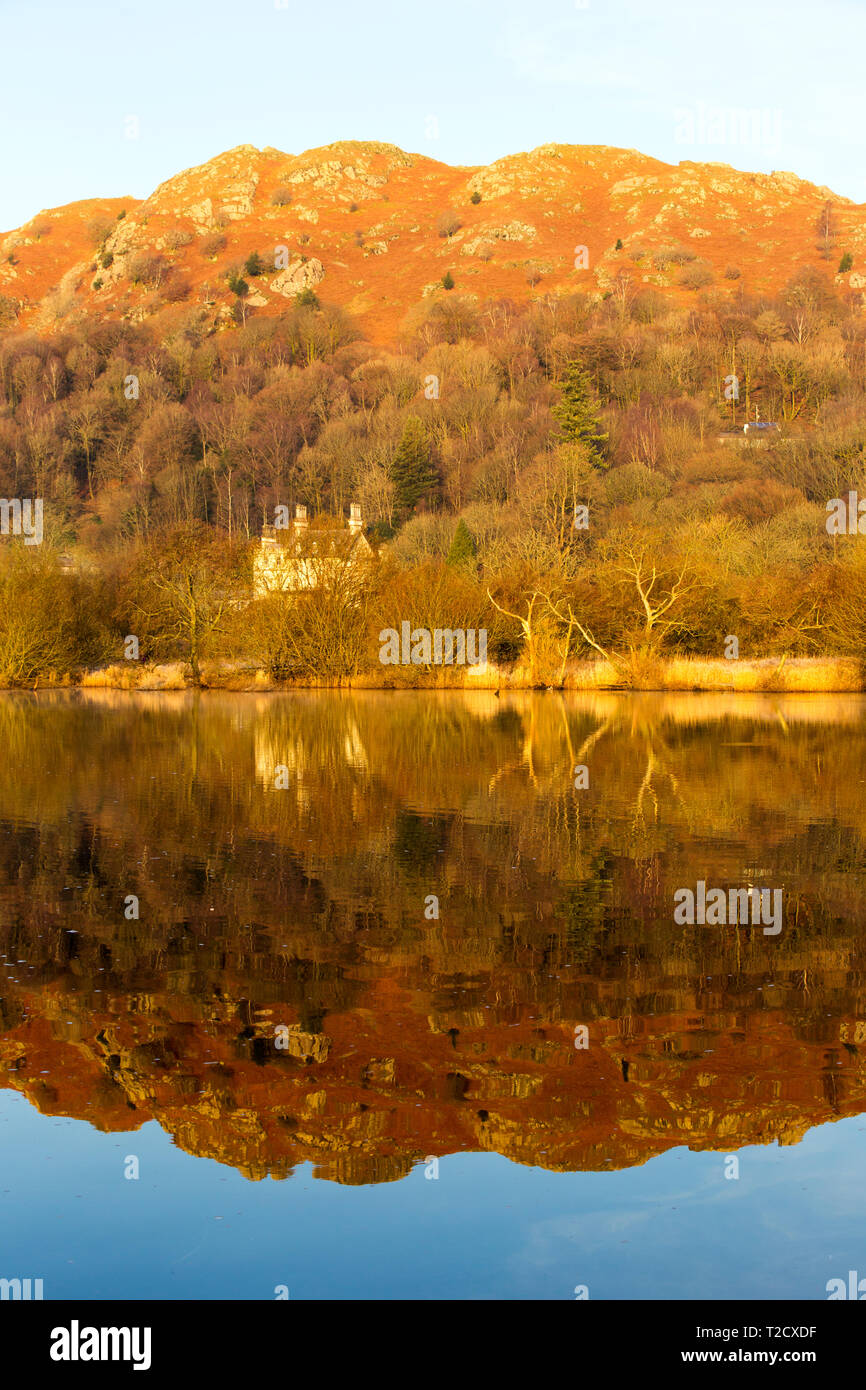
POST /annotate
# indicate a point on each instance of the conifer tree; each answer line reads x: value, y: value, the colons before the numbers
x: 463, y: 548
x: 577, y: 413
x: 412, y: 471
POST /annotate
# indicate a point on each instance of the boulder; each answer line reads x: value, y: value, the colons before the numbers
x: 298, y: 275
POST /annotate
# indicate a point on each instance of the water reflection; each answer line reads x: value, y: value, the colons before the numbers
x: 282, y: 849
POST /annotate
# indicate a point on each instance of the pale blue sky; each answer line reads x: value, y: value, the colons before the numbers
x: 760, y: 84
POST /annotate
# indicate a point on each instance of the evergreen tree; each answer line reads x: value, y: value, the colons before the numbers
x: 463, y: 548
x: 412, y: 471
x: 577, y: 413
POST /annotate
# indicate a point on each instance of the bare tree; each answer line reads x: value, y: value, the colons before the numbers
x: 529, y: 623
x: 186, y: 589
x: 659, y: 590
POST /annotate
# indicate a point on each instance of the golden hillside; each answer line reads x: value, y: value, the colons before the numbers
x: 375, y: 229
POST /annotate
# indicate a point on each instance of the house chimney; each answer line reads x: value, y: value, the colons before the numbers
x: 355, y: 522
x: 300, y: 517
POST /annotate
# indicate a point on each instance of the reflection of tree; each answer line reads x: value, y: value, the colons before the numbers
x: 655, y: 768
x: 261, y: 907
x: 583, y: 911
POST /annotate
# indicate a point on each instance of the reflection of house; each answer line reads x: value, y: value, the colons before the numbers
x: 303, y: 556
x: 278, y: 747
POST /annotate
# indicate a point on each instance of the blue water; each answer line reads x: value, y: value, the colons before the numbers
x: 486, y: 1228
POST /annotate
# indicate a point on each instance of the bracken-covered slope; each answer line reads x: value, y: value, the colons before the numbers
x: 367, y: 226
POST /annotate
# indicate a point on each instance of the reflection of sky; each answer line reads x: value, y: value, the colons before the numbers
x: 487, y: 1228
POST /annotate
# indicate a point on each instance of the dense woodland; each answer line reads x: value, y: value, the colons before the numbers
x: 469, y: 445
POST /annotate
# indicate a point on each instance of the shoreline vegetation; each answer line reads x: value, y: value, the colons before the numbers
x: 799, y: 675
x: 271, y: 507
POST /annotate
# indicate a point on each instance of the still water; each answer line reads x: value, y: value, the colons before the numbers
x: 340, y: 995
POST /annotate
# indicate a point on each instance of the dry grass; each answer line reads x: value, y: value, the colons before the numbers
x: 813, y: 675
x: 118, y: 677
x: 131, y: 676
x: 803, y: 674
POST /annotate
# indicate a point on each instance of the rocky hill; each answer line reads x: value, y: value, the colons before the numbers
x: 374, y: 229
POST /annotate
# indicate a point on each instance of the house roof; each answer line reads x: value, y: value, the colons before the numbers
x: 315, y: 539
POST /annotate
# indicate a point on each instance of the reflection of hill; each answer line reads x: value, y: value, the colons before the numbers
x: 411, y: 1037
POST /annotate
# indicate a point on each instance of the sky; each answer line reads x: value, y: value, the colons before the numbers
x: 103, y: 99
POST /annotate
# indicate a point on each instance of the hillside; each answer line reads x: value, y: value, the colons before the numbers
x: 366, y: 225
x: 350, y: 327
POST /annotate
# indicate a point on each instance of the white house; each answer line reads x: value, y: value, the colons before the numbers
x: 301, y: 556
